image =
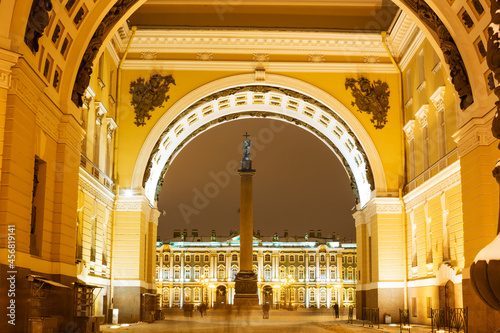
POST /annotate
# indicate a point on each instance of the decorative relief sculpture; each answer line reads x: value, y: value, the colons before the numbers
x: 37, y: 22
x: 85, y: 69
x: 452, y: 55
x: 371, y: 98
x: 148, y: 95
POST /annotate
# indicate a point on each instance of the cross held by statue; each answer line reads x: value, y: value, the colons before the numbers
x: 246, y: 135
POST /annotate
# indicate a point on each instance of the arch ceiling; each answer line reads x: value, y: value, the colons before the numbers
x: 325, y: 117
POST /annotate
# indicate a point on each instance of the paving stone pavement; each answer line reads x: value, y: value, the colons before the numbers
x: 307, y: 321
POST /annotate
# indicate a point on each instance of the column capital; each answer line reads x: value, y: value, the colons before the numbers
x: 7, y: 60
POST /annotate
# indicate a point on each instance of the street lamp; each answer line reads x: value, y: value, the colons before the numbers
x: 286, y: 283
x: 206, y: 283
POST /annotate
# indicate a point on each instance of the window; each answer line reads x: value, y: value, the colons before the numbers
x: 349, y: 259
x: 311, y: 273
x: 206, y: 259
x: 234, y: 271
x: 343, y: 259
x: 166, y: 273
x: 254, y: 269
x: 282, y: 272
x: 157, y: 274
x: 301, y: 295
x: 282, y: 258
x: 206, y: 271
x: 333, y: 295
x: 292, y: 295
x: 350, y: 295
x: 187, y: 295
x: 234, y: 257
x: 165, y: 258
x: 333, y: 273
x: 221, y: 272
x: 291, y: 258
x: 332, y: 258
x: 322, y: 273
x: 343, y: 273
x: 177, y: 272
x: 301, y: 258
x: 267, y: 257
x: 196, y: 294
x: 197, y: 273
x: 187, y: 274
x: 188, y: 258
x: 312, y: 295
x: 322, y: 258
x: 221, y: 257
x: 349, y: 274
x: 311, y: 258
x: 254, y: 257
x: 176, y: 295
x: 267, y: 273
x: 197, y: 258
x: 322, y: 295
x: 282, y: 296
x: 292, y: 271
x: 177, y: 258
x: 301, y: 273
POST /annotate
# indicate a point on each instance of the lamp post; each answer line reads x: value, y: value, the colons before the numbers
x: 206, y: 283
x: 286, y: 283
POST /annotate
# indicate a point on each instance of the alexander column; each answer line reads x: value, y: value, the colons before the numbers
x: 246, y: 280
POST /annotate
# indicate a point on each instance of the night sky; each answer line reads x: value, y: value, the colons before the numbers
x: 299, y: 185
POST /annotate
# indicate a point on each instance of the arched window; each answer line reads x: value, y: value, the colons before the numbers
x: 197, y: 258
x: 349, y: 274
x: 343, y: 273
x: 301, y: 272
x: 312, y: 295
x: 333, y: 295
x: 311, y: 258
x: 166, y: 273
x: 187, y: 274
x: 267, y: 273
x: 349, y: 259
x: 206, y: 258
x: 282, y: 258
x: 350, y: 295
x: 312, y: 270
x: 301, y: 258
x: 197, y: 272
x: 254, y: 269
x: 221, y: 272
x: 333, y: 273
x: 291, y: 257
x: 165, y: 258
x: 282, y: 272
x: 187, y: 295
x: 322, y: 273
x: 157, y: 273
x: 177, y: 294
x: 292, y: 271
x: 187, y: 258
x: 206, y: 271
x: 177, y: 272
x: 322, y: 258
x: 234, y: 257
x: 221, y: 257
x: 322, y: 295
x: 234, y: 271
x: 282, y: 295
x: 267, y: 257
x: 254, y: 257
x: 177, y: 258
x: 301, y: 295
x: 197, y: 294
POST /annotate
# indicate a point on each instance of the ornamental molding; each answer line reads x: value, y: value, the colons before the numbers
x: 7, y: 60
x: 477, y: 132
x: 421, y: 115
x: 134, y: 203
x: 148, y: 55
x: 260, y: 57
x: 316, y: 58
x: 71, y: 133
x: 196, y: 65
x: 437, y: 99
x: 90, y: 185
x: 26, y: 85
x: 111, y: 126
x: 204, y: 56
x: 412, y: 50
x: 433, y: 187
x: 381, y: 206
x: 409, y: 130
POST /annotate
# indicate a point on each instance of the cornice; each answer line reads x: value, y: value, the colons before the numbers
x: 412, y: 49
x: 134, y: 203
x: 437, y: 99
x: 381, y: 206
x: 251, y: 66
x: 90, y: 185
x: 436, y: 185
x: 402, y: 34
x: 421, y: 115
x: 409, y: 130
x: 476, y: 132
x: 7, y: 60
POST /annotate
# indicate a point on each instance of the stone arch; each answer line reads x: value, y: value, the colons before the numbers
x: 279, y: 97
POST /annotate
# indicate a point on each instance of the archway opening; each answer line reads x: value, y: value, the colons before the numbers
x: 300, y: 184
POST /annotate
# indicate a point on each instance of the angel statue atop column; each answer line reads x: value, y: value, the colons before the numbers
x: 246, y: 145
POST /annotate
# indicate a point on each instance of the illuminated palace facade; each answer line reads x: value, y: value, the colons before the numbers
x: 91, y: 121
x: 309, y: 272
